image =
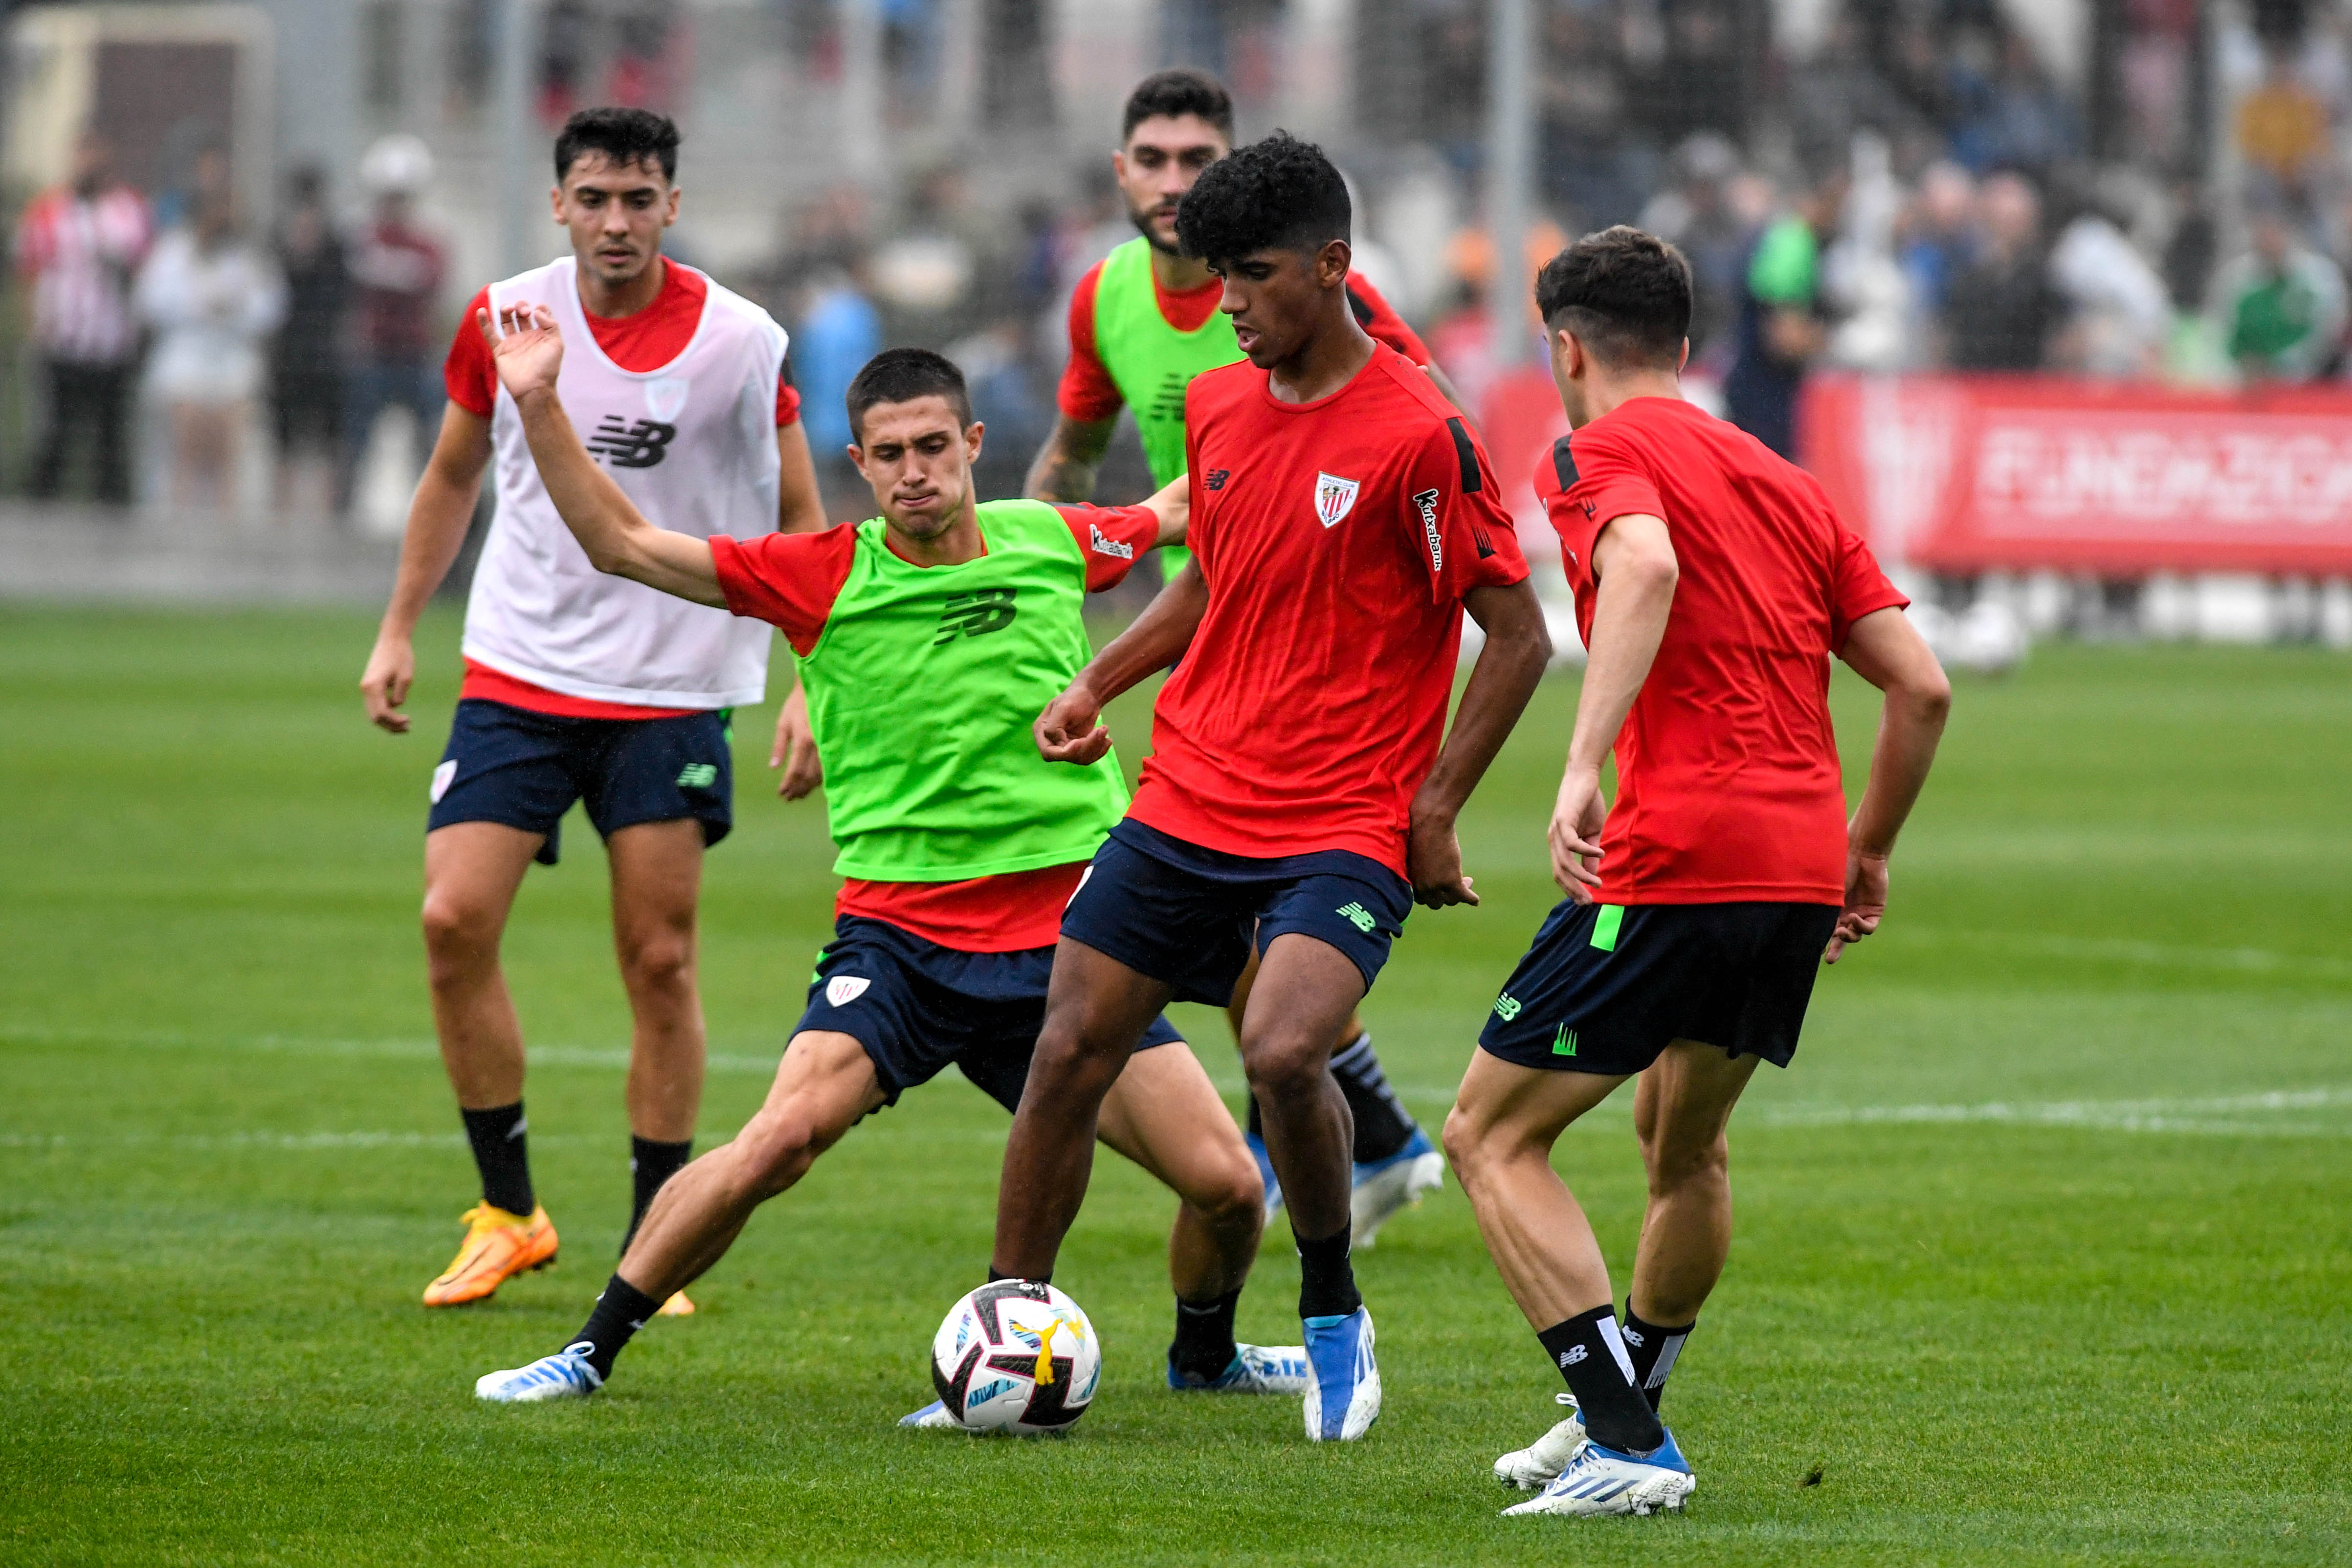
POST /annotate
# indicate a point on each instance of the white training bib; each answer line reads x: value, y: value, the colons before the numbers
x: 693, y: 446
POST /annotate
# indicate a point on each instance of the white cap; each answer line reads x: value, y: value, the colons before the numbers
x: 398, y: 164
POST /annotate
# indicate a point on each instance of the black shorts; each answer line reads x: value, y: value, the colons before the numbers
x: 522, y: 768
x: 1187, y: 915
x: 1605, y: 988
x: 917, y: 1006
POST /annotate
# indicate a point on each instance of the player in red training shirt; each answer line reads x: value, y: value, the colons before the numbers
x: 1713, y: 585
x: 1142, y: 323
x: 581, y: 688
x: 1297, y: 801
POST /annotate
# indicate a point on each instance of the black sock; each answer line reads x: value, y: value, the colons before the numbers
x: 1326, y: 1280
x: 1589, y: 1354
x: 1205, y: 1337
x: 1652, y: 1351
x: 501, y: 1153
x: 1383, y: 1126
x: 619, y: 1313
x: 650, y: 1164
x: 995, y: 1278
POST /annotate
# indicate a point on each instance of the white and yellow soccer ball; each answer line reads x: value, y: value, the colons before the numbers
x: 1016, y: 1356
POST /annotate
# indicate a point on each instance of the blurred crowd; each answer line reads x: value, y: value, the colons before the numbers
x: 1919, y: 194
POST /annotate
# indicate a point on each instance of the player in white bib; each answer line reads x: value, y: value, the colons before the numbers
x: 583, y: 687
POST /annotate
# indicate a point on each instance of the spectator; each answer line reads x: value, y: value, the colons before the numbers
x: 840, y: 330
x: 1694, y: 215
x: 77, y: 245
x: 1938, y: 244
x: 2122, y: 315
x: 2281, y: 305
x: 212, y: 299
x: 1780, y: 326
x: 2281, y: 124
x: 306, y: 368
x: 397, y: 266
x: 2001, y: 313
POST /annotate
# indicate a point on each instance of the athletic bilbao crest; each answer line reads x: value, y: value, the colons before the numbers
x: 1334, y: 498
x: 844, y: 989
x: 666, y: 398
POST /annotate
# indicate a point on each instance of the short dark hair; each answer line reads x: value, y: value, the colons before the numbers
x: 1175, y: 92
x: 1280, y: 193
x: 902, y: 375
x: 1627, y: 294
x: 624, y: 136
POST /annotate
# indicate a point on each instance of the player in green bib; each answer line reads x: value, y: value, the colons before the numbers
x: 930, y: 637
x: 1142, y: 324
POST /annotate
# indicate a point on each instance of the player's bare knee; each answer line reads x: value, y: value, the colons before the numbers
x: 779, y: 1145
x: 458, y: 938
x: 658, y: 962
x: 1677, y: 1165
x: 1285, y: 1066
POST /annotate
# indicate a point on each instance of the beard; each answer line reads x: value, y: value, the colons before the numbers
x: 1143, y: 225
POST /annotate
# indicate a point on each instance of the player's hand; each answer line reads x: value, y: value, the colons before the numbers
x: 1575, y: 833
x: 1433, y: 859
x: 1070, y: 730
x: 391, y: 669
x: 526, y: 348
x: 796, y: 751
x: 1865, y: 903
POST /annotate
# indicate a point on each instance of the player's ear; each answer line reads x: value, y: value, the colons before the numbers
x: 1682, y: 362
x: 1331, y: 263
x: 555, y: 204
x: 669, y: 213
x: 973, y: 434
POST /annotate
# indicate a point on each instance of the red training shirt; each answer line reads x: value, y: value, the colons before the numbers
x: 790, y: 581
x: 642, y: 341
x: 1728, y: 785
x: 1338, y: 537
x: 1089, y: 393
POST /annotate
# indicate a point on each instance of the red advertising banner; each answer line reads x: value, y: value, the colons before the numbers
x: 1970, y: 474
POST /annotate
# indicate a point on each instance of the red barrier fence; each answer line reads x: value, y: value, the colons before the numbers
x: 1970, y: 474
x: 2019, y: 472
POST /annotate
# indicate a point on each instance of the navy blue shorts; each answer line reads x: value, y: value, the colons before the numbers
x: 1605, y: 988
x: 915, y: 1007
x: 1187, y: 916
x: 522, y: 768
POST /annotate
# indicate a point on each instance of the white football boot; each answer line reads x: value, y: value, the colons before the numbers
x: 1532, y: 1467
x: 566, y: 1375
x: 933, y: 1417
x: 1343, y: 1393
x: 1601, y: 1481
x: 1386, y: 1188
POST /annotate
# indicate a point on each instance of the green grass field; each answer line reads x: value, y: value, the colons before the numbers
x: 2043, y: 1239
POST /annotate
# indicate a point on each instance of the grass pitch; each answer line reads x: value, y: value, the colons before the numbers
x: 2043, y: 1247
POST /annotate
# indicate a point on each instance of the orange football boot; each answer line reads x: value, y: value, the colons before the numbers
x: 498, y: 1246
x: 677, y: 1306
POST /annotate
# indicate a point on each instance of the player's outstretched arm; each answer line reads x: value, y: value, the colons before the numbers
x: 1064, y: 469
x: 1884, y: 649
x: 1633, y: 560
x: 1517, y: 650
x: 1172, y: 505
x: 1070, y: 729
x: 615, y: 535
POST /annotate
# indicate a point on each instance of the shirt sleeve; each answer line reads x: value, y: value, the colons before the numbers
x: 471, y: 379
x: 1087, y: 395
x: 789, y: 581
x: 1861, y: 588
x: 1380, y: 318
x: 1597, y: 479
x: 1112, y: 538
x: 1455, y: 515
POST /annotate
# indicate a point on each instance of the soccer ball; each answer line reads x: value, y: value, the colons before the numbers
x: 1016, y: 1356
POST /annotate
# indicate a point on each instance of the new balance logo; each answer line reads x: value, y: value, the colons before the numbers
x: 1507, y: 1007
x: 1357, y: 915
x: 639, y: 446
x: 697, y: 776
x: 974, y: 614
x: 1106, y: 545
x: 1572, y: 1356
x: 1564, y: 1042
x: 1214, y: 479
x: 1633, y: 1336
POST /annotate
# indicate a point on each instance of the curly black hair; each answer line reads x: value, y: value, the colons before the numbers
x: 1280, y: 193
x: 902, y: 375
x: 625, y: 136
x: 1627, y: 294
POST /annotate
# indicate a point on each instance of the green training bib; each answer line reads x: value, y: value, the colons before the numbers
x: 1151, y: 362
x: 921, y: 691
